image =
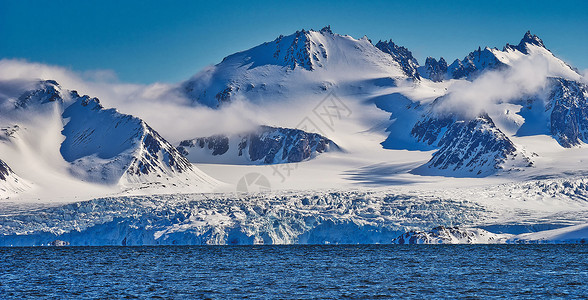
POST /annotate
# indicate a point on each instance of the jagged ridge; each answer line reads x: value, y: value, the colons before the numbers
x: 104, y: 145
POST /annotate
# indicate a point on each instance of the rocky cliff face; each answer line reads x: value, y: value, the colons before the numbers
x: 266, y: 145
x: 473, y: 63
x: 403, y: 56
x: 466, y: 147
x: 569, y: 112
x: 5, y: 170
x: 436, y: 70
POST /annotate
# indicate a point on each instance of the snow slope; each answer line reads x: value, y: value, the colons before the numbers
x: 56, y: 138
x: 577, y: 234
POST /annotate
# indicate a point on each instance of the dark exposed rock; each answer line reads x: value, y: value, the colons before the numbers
x: 569, y: 112
x: 298, y: 53
x: 402, y: 56
x: 268, y: 145
x: 528, y: 39
x: 473, y: 63
x: 224, y: 96
x: 59, y: 243
x: 5, y: 170
x: 436, y: 69
x: 476, y: 146
x: 219, y: 144
x: 47, y: 92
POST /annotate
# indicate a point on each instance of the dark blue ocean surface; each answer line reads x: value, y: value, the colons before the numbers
x: 296, y: 272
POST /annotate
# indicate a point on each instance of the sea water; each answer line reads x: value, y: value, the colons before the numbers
x: 295, y: 272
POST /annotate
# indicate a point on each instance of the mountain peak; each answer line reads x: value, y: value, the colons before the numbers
x: 532, y: 39
x: 326, y: 29
x: 46, y: 91
x: 528, y: 39
x: 402, y: 55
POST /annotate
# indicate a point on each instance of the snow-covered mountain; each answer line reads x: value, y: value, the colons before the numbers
x: 106, y: 146
x: 403, y: 56
x: 57, y: 132
x: 307, y: 61
x: 265, y: 145
x: 308, y: 64
x: 483, y: 144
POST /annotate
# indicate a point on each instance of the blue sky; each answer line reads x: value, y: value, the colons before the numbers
x: 168, y: 41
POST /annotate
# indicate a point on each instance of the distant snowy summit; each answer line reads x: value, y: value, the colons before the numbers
x: 305, y: 61
x: 265, y: 145
x: 484, y: 59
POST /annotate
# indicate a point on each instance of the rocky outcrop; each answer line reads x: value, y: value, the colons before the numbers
x: 402, y: 56
x: 569, y: 112
x: 267, y: 145
x: 473, y: 147
x: 450, y: 235
x: 47, y: 91
x: 473, y: 63
x: 436, y: 70
x: 5, y: 170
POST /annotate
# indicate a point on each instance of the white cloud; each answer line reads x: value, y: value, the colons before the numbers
x: 585, y: 76
x: 528, y: 76
x: 159, y: 104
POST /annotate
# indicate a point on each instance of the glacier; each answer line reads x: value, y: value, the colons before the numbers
x: 503, y: 213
